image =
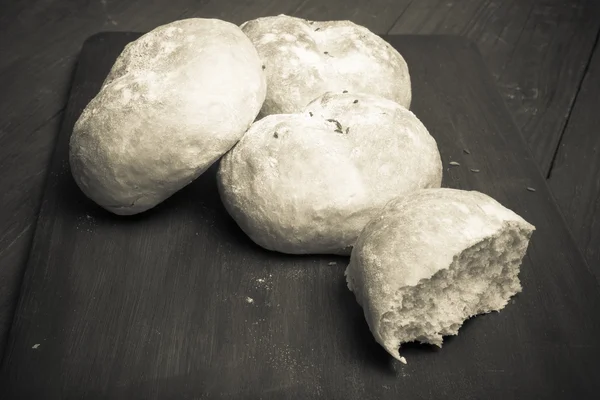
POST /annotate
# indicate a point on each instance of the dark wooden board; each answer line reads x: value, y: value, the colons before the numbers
x: 156, y: 306
x: 536, y: 51
x: 575, y: 175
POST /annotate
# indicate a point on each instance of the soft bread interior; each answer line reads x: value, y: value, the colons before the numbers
x: 480, y: 279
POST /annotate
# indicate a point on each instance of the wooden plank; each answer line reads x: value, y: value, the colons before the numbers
x: 22, y: 186
x: 155, y: 306
x: 40, y: 41
x: 536, y: 50
x: 377, y: 15
x: 575, y: 176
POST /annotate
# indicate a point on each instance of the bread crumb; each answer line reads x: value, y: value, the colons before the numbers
x: 332, y: 263
x: 249, y: 300
x: 530, y: 189
x: 35, y: 346
x: 262, y: 283
x: 454, y: 163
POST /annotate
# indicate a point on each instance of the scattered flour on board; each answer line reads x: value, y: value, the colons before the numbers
x: 285, y: 357
x: 86, y: 223
x: 264, y: 283
x: 291, y: 364
x: 297, y: 369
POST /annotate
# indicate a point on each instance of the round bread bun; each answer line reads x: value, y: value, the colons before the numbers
x: 308, y: 183
x: 432, y: 259
x: 174, y: 102
x: 305, y: 59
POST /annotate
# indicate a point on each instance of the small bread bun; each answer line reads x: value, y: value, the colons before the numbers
x: 432, y: 259
x: 308, y: 183
x: 305, y: 59
x: 174, y: 102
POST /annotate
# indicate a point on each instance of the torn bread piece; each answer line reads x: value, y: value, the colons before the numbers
x: 431, y: 260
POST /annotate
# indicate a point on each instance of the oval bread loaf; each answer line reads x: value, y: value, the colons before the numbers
x: 305, y: 59
x: 309, y: 182
x: 432, y: 259
x: 174, y: 102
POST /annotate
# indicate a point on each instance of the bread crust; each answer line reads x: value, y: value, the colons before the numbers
x: 414, y: 237
x: 309, y: 182
x: 175, y: 101
x: 305, y: 59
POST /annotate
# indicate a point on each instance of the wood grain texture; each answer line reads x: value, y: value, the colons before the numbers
x: 377, y: 15
x: 21, y: 195
x: 536, y: 50
x: 39, y: 43
x: 575, y: 176
x: 179, y: 303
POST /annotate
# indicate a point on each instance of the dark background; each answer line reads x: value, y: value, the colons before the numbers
x: 543, y: 54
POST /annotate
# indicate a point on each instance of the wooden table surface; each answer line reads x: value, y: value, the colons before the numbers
x: 543, y: 54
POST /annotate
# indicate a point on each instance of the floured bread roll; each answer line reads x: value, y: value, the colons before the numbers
x: 432, y: 259
x: 308, y: 183
x: 305, y: 59
x: 175, y: 100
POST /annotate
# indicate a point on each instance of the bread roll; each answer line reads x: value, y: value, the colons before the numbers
x: 308, y: 183
x: 432, y: 259
x: 305, y: 59
x: 175, y: 100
